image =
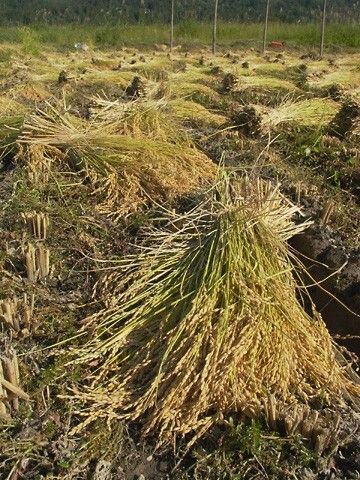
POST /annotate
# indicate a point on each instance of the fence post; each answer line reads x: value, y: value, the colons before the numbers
x: 266, y: 25
x: 215, y: 27
x: 322, y: 43
x: 172, y: 25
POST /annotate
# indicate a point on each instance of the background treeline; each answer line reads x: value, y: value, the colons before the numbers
x: 25, y: 12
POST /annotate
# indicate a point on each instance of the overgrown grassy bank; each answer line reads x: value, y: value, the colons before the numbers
x: 188, y: 33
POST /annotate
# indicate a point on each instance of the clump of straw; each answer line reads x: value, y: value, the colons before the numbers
x: 197, y: 92
x: 254, y: 120
x: 127, y: 170
x: 314, y: 111
x: 205, y: 321
x: 12, y: 116
x: 196, y: 114
x: 141, y: 118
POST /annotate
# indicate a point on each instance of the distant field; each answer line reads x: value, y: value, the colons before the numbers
x: 186, y: 33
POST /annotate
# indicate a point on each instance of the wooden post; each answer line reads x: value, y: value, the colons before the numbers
x: 172, y: 25
x: 322, y: 43
x: 215, y: 27
x: 266, y: 25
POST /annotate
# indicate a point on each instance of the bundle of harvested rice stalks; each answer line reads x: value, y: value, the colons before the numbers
x: 149, y: 118
x: 259, y: 120
x: 11, y: 118
x: 197, y: 92
x: 314, y: 111
x: 195, y: 113
x: 30, y: 92
x: 205, y: 321
x: 265, y: 83
x: 127, y: 171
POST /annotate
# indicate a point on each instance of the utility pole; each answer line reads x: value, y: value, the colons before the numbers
x: 322, y: 43
x: 172, y: 25
x: 266, y: 25
x: 215, y: 27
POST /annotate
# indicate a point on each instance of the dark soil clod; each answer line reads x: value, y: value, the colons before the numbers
x: 63, y: 77
x: 344, y: 120
x: 247, y: 120
x: 335, y: 91
x: 137, y: 88
x: 230, y: 82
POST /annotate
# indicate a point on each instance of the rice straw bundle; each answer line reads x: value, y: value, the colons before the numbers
x: 205, y: 321
x: 316, y: 111
x: 197, y: 92
x: 139, y: 118
x: 191, y: 74
x: 260, y: 119
x: 345, y: 76
x: 11, y: 118
x: 267, y: 83
x: 127, y: 170
x: 193, y: 112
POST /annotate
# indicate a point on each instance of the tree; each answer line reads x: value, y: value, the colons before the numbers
x: 112, y: 11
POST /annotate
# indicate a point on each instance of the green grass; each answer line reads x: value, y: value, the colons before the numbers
x: 246, y: 451
x: 186, y: 33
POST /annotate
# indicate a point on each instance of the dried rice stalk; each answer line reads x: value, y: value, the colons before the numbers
x: 10, y: 390
x: 37, y: 223
x: 12, y: 116
x: 30, y: 260
x: 18, y: 314
x: 127, y: 171
x: 205, y: 321
x: 37, y: 260
x: 39, y: 160
x: 28, y: 311
x: 43, y: 260
x: 3, y: 396
x: 8, y: 313
x: 11, y: 374
x: 315, y: 111
x: 322, y: 430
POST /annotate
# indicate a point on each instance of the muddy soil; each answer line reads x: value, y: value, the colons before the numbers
x: 337, y: 297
